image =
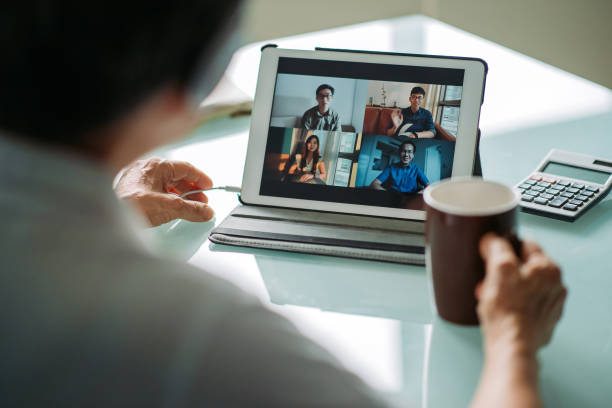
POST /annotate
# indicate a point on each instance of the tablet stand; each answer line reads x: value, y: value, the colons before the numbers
x: 352, y: 236
x: 316, y: 232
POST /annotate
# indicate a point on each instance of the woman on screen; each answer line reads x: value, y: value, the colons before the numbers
x: 308, y: 166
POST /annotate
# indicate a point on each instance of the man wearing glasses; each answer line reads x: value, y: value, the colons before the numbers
x: 322, y: 117
x: 414, y: 121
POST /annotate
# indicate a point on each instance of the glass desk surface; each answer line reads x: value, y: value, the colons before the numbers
x: 377, y: 318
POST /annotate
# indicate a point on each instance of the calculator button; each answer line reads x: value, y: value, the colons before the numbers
x: 550, y: 180
x: 557, y: 202
x: 591, y: 188
x: 577, y: 185
x: 570, y: 207
x: 563, y: 183
x: 566, y: 194
x: 536, y: 177
x: 581, y: 197
x: 529, y: 198
x: 556, y: 187
x: 546, y: 196
x: 552, y: 191
x: 576, y: 202
x: 544, y: 184
x: 530, y: 182
x: 572, y: 190
x: 587, y: 193
x: 525, y: 186
x: 537, y: 188
x: 540, y: 200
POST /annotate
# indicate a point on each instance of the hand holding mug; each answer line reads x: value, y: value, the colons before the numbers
x: 521, y: 299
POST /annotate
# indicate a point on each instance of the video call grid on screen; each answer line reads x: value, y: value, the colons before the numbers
x: 353, y: 150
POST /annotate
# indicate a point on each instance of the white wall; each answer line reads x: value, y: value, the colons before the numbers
x: 398, y: 92
x: 570, y: 34
x: 361, y: 99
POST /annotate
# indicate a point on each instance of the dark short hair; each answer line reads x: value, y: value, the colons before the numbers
x: 417, y: 90
x: 70, y: 69
x: 405, y: 142
x: 325, y: 86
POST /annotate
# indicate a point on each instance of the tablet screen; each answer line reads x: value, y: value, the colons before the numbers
x: 360, y: 133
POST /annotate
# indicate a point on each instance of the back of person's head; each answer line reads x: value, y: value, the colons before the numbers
x: 417, y: 90
x: 71, y: 68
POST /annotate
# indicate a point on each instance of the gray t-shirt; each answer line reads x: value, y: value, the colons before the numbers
x: 91, y: 318
x: 313, y: 119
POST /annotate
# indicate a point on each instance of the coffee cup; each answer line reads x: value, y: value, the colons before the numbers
x: 458, y: 213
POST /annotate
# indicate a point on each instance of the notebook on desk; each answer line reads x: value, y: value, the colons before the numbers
x: 311, y: 187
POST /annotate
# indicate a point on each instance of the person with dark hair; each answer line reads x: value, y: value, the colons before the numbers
x: 309, y: 166
x: 403, y: 177
x: 413, y: 121
x: 321, y: 116
x: 90, y: 317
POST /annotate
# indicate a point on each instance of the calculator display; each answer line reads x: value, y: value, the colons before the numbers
x: 574, y: 172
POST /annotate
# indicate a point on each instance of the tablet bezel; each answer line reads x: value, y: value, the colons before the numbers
x: 465, y: 148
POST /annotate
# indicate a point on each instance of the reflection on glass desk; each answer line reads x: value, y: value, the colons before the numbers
x: 377, y: 318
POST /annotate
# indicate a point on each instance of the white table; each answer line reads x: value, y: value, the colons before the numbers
x: 377, y: 317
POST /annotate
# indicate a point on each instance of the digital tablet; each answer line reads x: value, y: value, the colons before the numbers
x: 359, y: 132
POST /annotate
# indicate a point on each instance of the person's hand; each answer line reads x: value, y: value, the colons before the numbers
x: 397, y: 118
x: 153, y: 186
x: 306, y: 177
x: 520, y: 300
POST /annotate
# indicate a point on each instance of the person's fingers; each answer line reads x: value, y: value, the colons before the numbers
x: 161, y: 208
x: 492, y: 246
x: 554, y: 302
x: 541, y: 280
x: 201, y: 197
x: 541, y: 271
x: 529, y: 248
x: 559, y: 304
x: 171, y: 189
x: 478, y: 290
x: 552, y: 311
x: 180, y: 170
x: 500, y: 259
x: 183, y: 187
x: 189, y: 210
x: 186, y: 188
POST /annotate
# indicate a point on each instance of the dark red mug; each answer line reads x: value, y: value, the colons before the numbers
x: 459, y: 213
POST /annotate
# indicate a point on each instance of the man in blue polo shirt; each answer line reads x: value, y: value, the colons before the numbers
x: 405, y: 177
x: 413, y: 121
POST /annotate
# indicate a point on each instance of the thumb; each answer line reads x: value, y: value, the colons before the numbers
x: 191, y: 210
x: 500, y: 260
x: 162, y: 208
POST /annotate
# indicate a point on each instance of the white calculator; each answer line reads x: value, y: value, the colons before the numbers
x: 565, y: 185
